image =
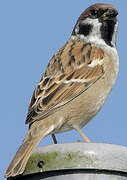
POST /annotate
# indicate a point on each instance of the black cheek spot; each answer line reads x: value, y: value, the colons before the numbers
x: 85, y: 29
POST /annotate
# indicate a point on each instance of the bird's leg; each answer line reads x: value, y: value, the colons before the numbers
x: 54, y: 138
x: 82, y: 134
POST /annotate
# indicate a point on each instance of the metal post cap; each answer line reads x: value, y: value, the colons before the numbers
x: 85, y: 159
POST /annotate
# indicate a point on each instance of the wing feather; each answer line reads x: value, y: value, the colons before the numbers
x: 67, y: 76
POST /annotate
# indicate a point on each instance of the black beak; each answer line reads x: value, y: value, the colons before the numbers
x: 110, y: 14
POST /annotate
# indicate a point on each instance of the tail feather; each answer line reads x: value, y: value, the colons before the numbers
x: 37, y: 131
x: 19, y: 161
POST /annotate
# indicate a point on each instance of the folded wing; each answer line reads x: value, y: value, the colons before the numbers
x: 73, y: 69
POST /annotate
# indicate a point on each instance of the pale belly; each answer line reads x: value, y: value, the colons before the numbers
x: 80, y: 111
x: 83, y: 108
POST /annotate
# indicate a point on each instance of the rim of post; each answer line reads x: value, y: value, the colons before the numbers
x: 95, y: 156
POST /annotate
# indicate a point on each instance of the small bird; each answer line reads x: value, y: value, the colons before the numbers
x: 75, y: 84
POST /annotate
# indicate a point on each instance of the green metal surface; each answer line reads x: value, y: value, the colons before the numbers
x: 78, y: 156
x: 40, y: 162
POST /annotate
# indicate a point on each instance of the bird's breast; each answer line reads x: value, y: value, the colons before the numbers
x: 84, y: 107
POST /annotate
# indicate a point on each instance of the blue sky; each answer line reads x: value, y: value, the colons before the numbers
x: 30, y: 33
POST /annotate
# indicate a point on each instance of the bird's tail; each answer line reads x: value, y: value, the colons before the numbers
x: 19, y: 161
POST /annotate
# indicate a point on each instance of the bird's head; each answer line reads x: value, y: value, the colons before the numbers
x: 97, y: 23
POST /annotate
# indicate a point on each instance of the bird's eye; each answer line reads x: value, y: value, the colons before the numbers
x: 94, y: 12
x: 100, y: 12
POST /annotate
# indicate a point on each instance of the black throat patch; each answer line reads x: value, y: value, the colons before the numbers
x: 107, y: 30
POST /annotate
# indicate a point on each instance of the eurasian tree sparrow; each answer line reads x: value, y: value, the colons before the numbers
x: 76, y: 83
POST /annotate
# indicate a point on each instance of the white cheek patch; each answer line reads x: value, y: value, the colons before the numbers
x: 96, y: 62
